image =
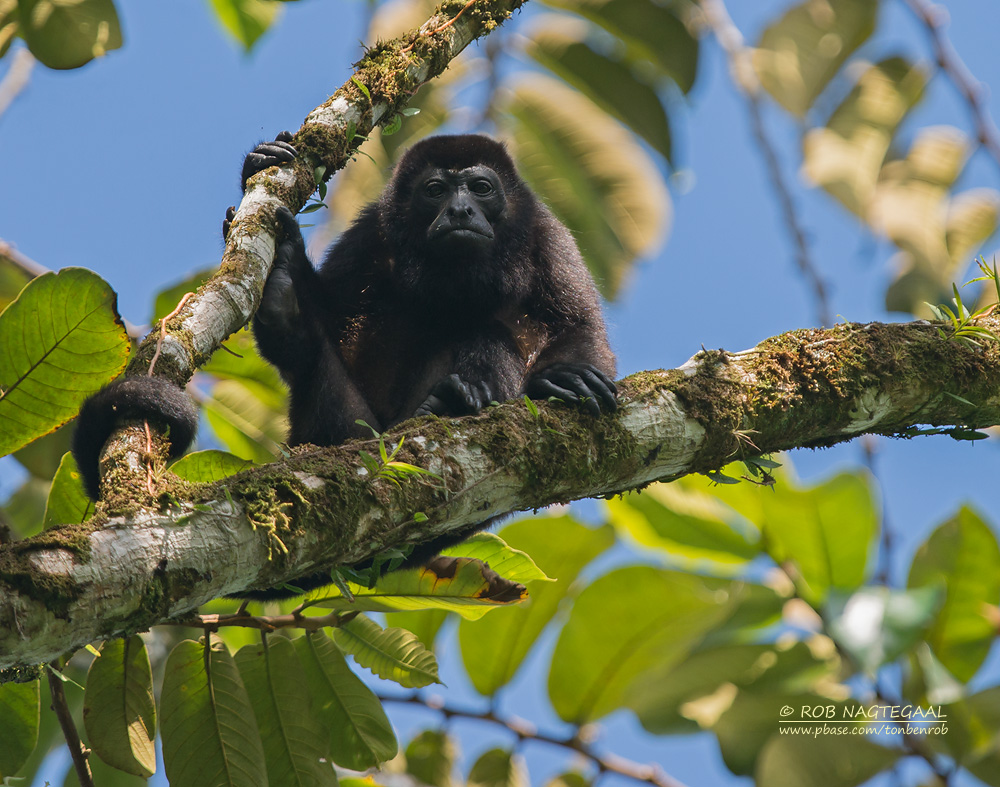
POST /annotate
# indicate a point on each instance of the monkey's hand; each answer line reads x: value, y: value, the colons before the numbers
x: 268, y: 154
x: 454, y: 396
x: 279, y: 306
x: 577, y: 383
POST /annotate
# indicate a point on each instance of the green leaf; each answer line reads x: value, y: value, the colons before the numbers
x: 493, y: 650
x: 800, y: 53
x: 25, y: 509
x: 827, y: 532
x: 118, y: 707
x: 360, y: 734
x: 877, y: 625
x: 20, y: 709
x: 498, y: 768
x: 649, y: 31
x: 684, y: 523
x: 43, y: 456
x: 621, y: 91
x: 393, y: 654
x: 13, y: 277
x: 962, y: 557
x: 591, y: 172
x: 208, y: 466
x: 246, y: 20
x: 240, y: 361
x: 430, y: 758
x: 209, y: 731
x: 69, y: 33
x: 469, y: 588
x: 424, y: 624
x: 60, y: 341
x: 822, y: 761
x: 67, y: 503
x: 623, y: 625
x: 846, y: 156
x: 510, y: 563
x: 294, y: 742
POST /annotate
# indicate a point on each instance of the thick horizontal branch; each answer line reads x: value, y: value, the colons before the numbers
x: 322, y: 507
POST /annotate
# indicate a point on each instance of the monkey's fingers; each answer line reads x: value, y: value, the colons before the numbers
x: 228, y: 221
x: 600, y: 387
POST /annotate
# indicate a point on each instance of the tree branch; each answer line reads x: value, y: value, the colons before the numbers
x: 156, y: 562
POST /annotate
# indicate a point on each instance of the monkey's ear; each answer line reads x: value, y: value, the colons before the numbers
x: 126, y: 399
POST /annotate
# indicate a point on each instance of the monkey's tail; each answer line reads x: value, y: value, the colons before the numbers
x: 131, y: 398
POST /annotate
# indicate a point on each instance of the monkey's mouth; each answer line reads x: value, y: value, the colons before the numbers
x: 460, y: 233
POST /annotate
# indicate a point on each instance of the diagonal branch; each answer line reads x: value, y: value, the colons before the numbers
x: 322, y: 508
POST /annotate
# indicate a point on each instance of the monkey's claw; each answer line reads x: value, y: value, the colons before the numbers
x: 577, y: 383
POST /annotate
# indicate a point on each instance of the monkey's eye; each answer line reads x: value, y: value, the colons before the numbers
x: 434, y: 188
x: 481, y: 187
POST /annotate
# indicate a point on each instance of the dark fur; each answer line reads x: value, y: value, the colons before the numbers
x: 127, y: 399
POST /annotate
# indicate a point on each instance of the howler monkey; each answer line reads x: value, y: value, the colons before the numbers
x: 457, y: 287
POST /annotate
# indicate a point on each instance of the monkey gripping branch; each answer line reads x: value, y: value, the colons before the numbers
x: 147, y: 559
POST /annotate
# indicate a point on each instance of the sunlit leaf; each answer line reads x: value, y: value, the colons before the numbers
x: 292, y: 737
x: 591, y: 173
x: 209, y: 732
x: 845, y: 156
x: 509, y: 562
x: 494, y: 649
x: 247, y: 419
x: 798, y: 55
x: 208, y: 466
x: 468, y: 587
x: 246, y: 20
x: 19, y: 717
x: 360, y: 734
x: 622, y: 625
x: 118, y: 707
x: 683, y: 523
x: 621, y: 91
x: 69, y: 33
x: 391, y: 653
x: 60, y: 341
x: 963, y: 559
x: 68, y: 503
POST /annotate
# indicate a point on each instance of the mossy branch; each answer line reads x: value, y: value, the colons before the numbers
x: 322, y: 507
x: 383, y: 81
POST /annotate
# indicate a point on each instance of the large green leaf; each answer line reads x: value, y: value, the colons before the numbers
x: 203, y: 467
x: 650, y: 31
x: 19, y: 715
x: 798, y: 55
x: 209, y: 731
x: 625, y: 624
x: 360, y: 733
x: 845, y: 156
x: 60, y: 341
x: 294, y: 742
x: 118, y: 707
x: 68, y: 502
x: 963, y: 559
x: 494, y: 649
x: 498, y: 768
x: 392, y: 653
x: 69, y: 33
x: 822, y: 761
x: 592, y: 174
x: 621, y: 91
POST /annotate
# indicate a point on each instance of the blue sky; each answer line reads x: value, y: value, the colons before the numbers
x: 126, y: 167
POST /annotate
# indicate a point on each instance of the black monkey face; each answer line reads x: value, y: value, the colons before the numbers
x: 459, y: 209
